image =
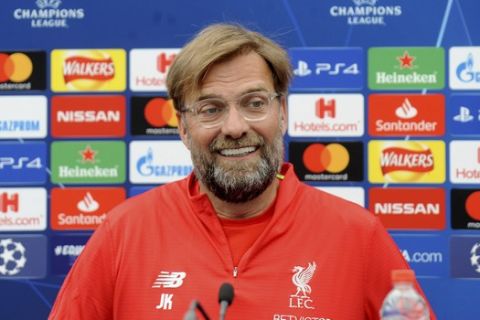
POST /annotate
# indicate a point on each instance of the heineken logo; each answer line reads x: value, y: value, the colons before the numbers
x: 88, y: 162
x: 406, y: 68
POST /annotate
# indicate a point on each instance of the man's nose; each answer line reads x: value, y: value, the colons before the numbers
x: 234, y: 124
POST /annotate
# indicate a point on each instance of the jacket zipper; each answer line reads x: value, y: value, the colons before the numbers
x: 235, y: 272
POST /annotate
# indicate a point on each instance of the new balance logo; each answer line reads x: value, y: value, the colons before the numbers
x: 169, y: 279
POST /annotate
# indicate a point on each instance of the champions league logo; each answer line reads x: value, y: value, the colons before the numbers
x: 48, y: 14
x: 365, y: 12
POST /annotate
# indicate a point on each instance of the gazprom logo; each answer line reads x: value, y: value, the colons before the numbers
x: 465, y: 68
x: 158, y: 161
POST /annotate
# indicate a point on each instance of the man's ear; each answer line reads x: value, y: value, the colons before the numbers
x: 182, y: 129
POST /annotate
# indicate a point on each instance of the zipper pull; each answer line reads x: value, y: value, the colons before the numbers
x: 235, y: 272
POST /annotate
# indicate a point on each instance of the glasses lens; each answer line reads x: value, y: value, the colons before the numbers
x: 255, y: 106
x: 210, y: 111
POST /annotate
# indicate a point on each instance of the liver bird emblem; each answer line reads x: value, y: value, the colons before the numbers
x: 302, y: 277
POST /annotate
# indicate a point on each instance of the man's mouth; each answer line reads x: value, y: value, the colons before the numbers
x: 237, y: 152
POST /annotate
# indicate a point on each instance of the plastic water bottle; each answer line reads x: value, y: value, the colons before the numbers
x: 403, y: 302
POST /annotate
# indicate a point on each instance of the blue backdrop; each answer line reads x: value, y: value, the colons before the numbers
x: 132, y: 24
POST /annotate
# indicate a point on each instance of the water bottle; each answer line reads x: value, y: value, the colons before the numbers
x: 403, y: 302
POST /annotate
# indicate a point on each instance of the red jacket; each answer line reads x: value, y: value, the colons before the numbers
x: 320, y: 257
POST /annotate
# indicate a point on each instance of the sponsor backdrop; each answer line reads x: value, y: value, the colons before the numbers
x: 384, y: 110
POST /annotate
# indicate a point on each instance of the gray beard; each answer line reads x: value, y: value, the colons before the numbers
x: 243, y: 181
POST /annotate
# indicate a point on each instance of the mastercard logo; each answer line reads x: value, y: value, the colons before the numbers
x: 160, y: 112
x: 472, y: 205
x: 332, y: 158
x: 16, y: 67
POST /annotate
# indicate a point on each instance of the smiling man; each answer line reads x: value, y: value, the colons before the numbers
x: 289, y: 250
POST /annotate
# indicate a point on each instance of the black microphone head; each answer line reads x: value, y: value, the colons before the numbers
x: 226, y: 293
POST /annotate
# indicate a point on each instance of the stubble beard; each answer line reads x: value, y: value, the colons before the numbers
x: 238, y: 181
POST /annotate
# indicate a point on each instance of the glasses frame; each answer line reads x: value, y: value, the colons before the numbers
x: 194, y: 111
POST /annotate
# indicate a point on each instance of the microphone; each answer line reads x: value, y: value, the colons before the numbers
x: 191, y: 314
x: 225, y: 298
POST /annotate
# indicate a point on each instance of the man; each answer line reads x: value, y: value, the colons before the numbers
x: 289, y: 250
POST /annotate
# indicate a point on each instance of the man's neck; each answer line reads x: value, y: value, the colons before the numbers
x: 243, y: 210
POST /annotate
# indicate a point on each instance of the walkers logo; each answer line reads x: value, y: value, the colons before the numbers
x: 464, y: 69
x: 65, y: 250
x: 400, y: 115
x: 23, y: 256
x: 328, y: 115
x: 406, y: 68
x: 23, y: 70
x: 23, y: 209
x: 426, y: 254
x: 464, y: 115
x: 88, y: 162
x: 23, y: 163
x: 353, y: 194
x: 465, y: 208
x: 416, y: 209
x: 158, y: 161
x: 82, y: 208
x: 406, y: 161
x: 49, y: 14
x: 327, y: 161
x: 88, y: 116
x: 88, y: 70
x: 23, y: 117
x: 365, y: 13
x: 301, y: 279
x: 465, y: 256
x: 327, y: 68
x: 149, y: 68
x: 465, y: 161
x: 153, y: 116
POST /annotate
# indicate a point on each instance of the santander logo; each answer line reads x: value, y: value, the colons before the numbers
x: 400, y: 115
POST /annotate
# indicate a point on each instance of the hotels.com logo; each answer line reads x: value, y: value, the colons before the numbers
x: 23, y: 209
x: 401, y: 208
x: 465, y: 161
x: 327, y: 115
x: 88, y: 70
x: 400, y: 115
x: 149, y: 68
x: 406, y: 161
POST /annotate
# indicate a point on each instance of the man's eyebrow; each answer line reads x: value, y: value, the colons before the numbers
x: 216, y: 96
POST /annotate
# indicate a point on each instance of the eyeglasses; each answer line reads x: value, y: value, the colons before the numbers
x: 253, y: 106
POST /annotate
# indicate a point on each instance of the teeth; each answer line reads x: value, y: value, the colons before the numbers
x: 237, y: 152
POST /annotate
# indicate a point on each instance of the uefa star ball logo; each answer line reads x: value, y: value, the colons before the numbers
x: 12, y: 257
x: 475, y: 256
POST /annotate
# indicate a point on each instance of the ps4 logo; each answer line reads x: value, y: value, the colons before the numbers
x: 465, y: 71
x: 20, y: 163
x: 464, y: 115
x: 331, y: 69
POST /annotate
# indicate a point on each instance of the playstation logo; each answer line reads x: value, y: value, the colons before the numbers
x: 302, y: 69
x: 463, y: 115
